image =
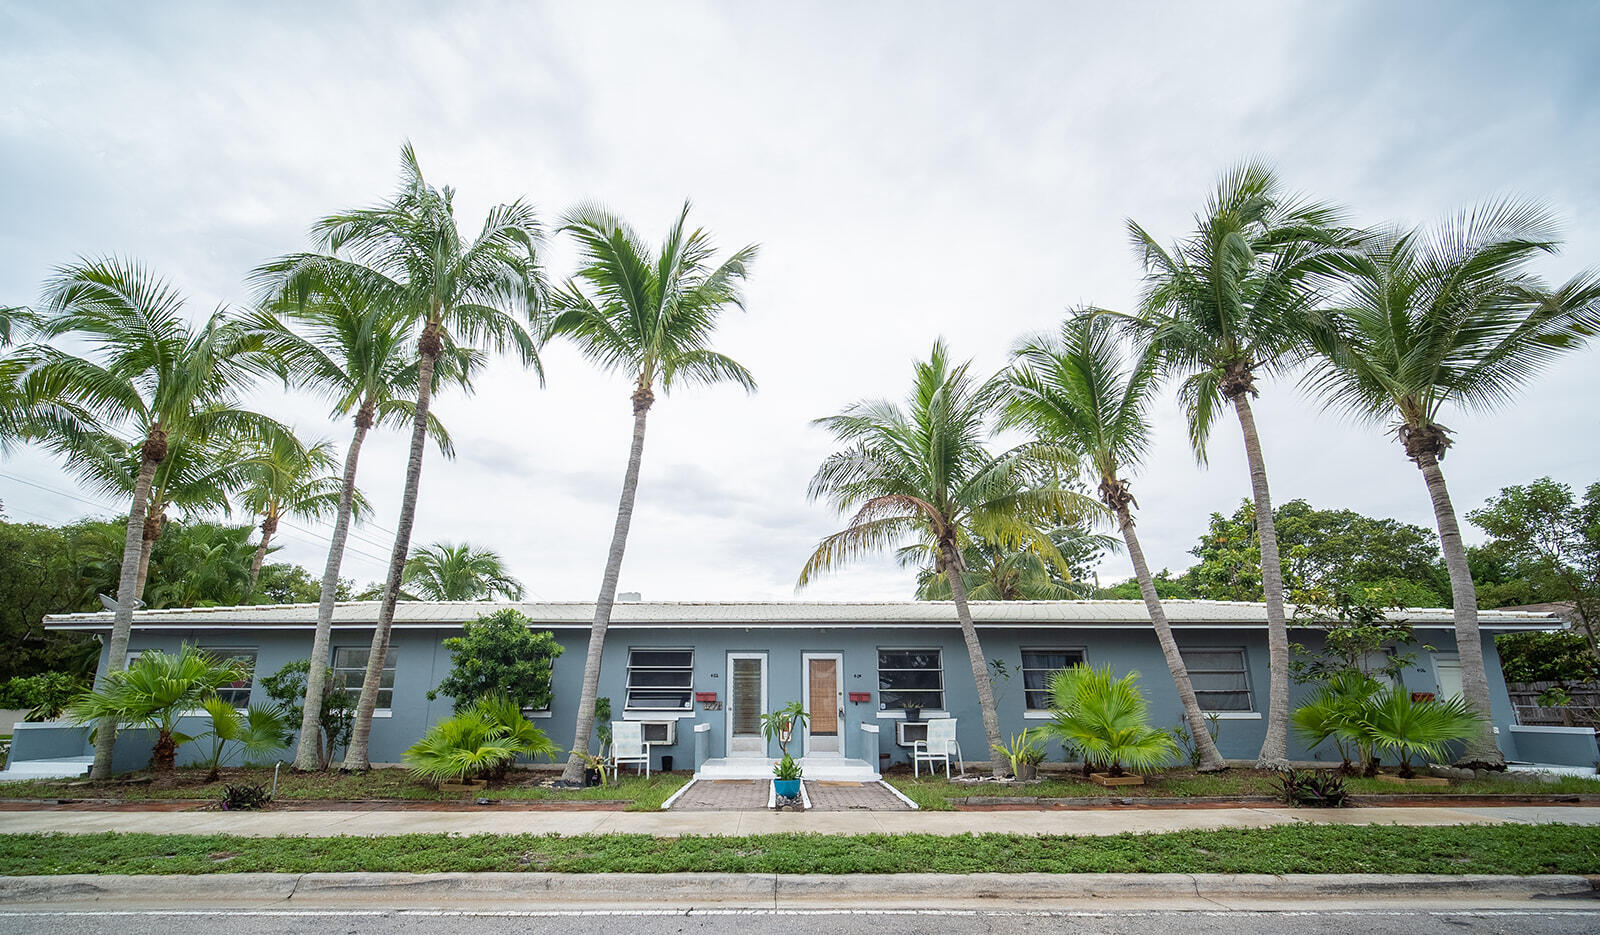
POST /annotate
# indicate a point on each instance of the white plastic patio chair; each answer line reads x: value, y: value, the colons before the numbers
x: 940, y: 746
x: 628, y: 746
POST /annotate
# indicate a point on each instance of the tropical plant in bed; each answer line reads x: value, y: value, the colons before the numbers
x: 460, y: 748
x: 154, y: 692
x: 524, y: 738
x: 1396, y: 722
x: 1335, y: 713
x: 258, y: 730
x: 1107, y: 719
x: 1024, y: 752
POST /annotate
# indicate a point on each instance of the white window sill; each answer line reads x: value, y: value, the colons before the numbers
x: 898, y: 715
x: 1235, y: 715
x: 668, y: 715
x: 533, y: 714
x: 1037, y: 715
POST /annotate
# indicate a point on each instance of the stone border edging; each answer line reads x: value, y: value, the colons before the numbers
x: 556, y: 891
x: 1444, y: 800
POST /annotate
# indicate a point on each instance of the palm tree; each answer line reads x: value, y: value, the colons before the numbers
x: 996, y: 574
x: 408, y: 254
x: 651, y: 316
x: 1106, y: 718
x: 1075, y: 390
x: 147, y: 370
x: 154, y: 692
x: 1228, y: 303
x: 1451, y: 317
x: 286, y: 478
x: 447, y: 572
x: 923, y: 472
x: 342, y: 340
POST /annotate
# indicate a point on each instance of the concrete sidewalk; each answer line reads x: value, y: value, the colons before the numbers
x: 486, y: 820
x: 688, y: 892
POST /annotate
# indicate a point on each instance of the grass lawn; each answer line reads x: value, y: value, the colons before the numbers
x: 1500, y: 849
x: 395, y: 784
x: 936, y: 793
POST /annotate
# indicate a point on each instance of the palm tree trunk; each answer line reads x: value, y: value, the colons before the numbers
x: 1481, y: 751
x: 975, y: 656
x: 1275, y: 747
x: 1210, y: 758
x: 573, y: 772
x: 268, y: 527
x: 308, y: 755
x: 356, y: 758
x: 147, y: 546
x: 155, y: 450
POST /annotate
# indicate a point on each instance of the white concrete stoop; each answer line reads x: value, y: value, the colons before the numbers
x: 816, y: 768
x: 64, y: 767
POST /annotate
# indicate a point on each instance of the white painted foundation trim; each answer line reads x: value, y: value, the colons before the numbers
x: 674, y: 797
x: 898, y: 794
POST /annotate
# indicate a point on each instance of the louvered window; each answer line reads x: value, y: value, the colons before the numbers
x: 1221, y: 680
x: 660, y: 680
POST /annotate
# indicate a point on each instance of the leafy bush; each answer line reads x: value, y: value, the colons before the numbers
x: 485, y: 739
x: 1335, y: 713
x: 1105, y: 717
x: 335, y: 720
x: 498, y: 655
x: 262, y: 728
x: 1353, y: 709
x: 44, y: 695
x: 1321, y: 788
x: 246, y: 796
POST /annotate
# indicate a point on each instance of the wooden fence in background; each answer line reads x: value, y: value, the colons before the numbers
x: 1584, y: 711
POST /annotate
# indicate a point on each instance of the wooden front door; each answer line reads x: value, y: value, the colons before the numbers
x: 824, y: 694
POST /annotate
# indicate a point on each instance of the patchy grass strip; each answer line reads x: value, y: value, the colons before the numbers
x: 1498, y: 849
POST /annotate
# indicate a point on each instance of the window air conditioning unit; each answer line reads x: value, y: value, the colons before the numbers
x: 661, y: 733
x: 908, y: 732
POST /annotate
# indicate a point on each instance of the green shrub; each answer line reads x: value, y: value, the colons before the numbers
x: 498, y: 654
x: 44, y: 695
x: 1106, y: 718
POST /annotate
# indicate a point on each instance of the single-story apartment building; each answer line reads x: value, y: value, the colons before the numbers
x: 699, y: 674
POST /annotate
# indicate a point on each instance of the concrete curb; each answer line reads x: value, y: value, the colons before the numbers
x: 687, y: 891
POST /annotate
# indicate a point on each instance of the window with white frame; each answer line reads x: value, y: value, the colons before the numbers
x: 236, y: 693
x: 910, y: 677
x: 1220, y: 678
x: 350, y: 670
x: 660, y: 679
x: 1039, y: 666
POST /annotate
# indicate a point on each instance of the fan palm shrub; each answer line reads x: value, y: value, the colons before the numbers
x: 1394, y: 721
x: 1229, y: 303
x: 1106, y: 718
x: 1442, y: 319
x: 258, y: 730
x: 1335, y: 712
x: 922, y: 472
x: 520, y: 733
x: 154, y: 692
x: 652, y: 316
x: 460, y: 748
x: 408, y: 254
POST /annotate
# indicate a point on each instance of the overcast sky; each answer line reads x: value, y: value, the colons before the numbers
x: 910, y: 170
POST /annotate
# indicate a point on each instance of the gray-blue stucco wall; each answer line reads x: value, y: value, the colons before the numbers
x: 421, y: 662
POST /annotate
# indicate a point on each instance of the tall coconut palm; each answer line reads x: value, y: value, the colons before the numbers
x: 1452, y: 317
x: 285, y: 478
x: 146, y: 372
x: 1076, y: 389
x: 651, y: 316
x: 923, y: 472
x: 408, y: 253
x: 444, y: 571
x: 332, y: 329
x: 1232, y: 301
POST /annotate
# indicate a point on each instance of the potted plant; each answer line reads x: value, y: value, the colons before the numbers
x: 913, y: 710
x: 781, y: 724
x: 1105, y: 717
x: 786, y: 775
x: 1024, y: 752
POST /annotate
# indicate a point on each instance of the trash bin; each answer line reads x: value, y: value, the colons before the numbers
x: 666, y: 763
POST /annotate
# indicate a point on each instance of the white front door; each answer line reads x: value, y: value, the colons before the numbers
x: 747, y: 701
x: 1447, y: 672
x: 822, y: 678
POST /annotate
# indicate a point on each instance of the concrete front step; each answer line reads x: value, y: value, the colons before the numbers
x: 821, y: 769
x: 65, y: 767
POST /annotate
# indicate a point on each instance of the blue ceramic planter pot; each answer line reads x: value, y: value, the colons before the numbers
x: 787, y: 788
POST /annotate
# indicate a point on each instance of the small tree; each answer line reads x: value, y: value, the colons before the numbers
x: 335, y: 717
x: 1357, y: 636
x: 498, y: 655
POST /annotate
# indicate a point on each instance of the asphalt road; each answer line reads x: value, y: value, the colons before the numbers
x: 1390, y: 920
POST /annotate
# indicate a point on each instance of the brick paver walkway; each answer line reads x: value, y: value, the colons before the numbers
x: 733, y: 795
